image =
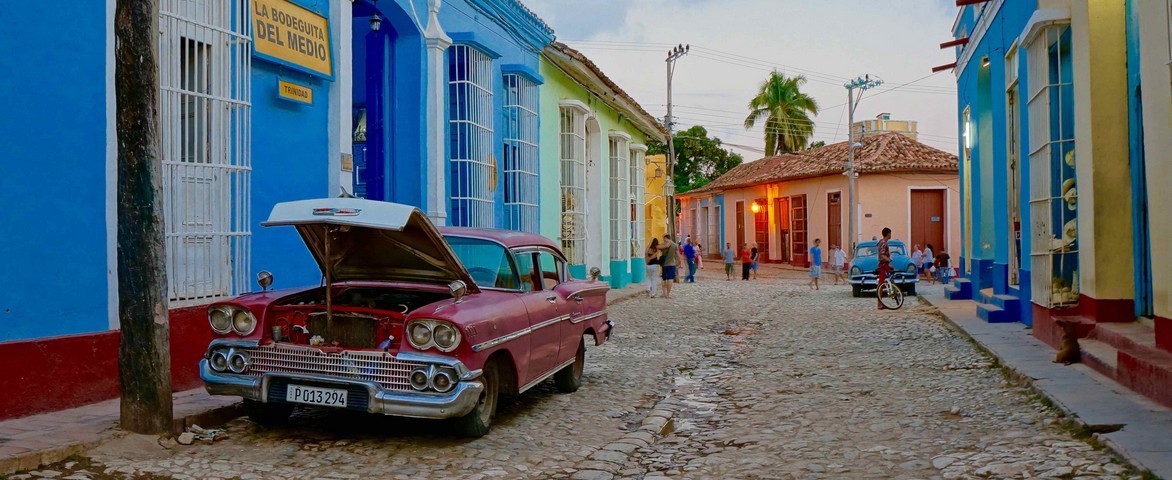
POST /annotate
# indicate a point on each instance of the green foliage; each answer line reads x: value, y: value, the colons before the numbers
x: 818, y: 144
x: 699, y: 158
x: 787, y: 112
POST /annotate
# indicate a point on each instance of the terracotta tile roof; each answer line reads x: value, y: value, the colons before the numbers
x: 649, y: 122
x: 888, y: 152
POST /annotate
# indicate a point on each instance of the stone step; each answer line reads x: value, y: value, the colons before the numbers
x: 985, y: 295
x: 1100, y: 356
x: 1140, y: 365
x: 1006, y: 302
x: 959, y: 289
x: 993, y: 314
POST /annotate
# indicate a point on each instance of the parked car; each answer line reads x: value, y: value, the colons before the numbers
x: 411, y: 320
x: 864, y: 276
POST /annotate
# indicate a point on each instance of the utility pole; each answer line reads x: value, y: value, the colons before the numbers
x: 144, y: 359
x: 669, y: 186
x: 861, y: 84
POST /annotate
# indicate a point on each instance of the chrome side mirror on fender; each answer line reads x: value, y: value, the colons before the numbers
x: 458, y: 289
x: 264, y: 279
x: 595, y: 272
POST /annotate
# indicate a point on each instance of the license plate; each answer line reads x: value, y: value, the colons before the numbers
x: 330, y: 397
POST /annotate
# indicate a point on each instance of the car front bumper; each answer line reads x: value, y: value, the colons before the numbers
x: 458, y: 402
x: 871, y: 280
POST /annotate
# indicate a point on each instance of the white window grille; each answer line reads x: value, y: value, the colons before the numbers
x: 473, y: 169
x: 520, y: 153
x: 573, y: 160
x: 620, y: 204
x: 205, y: 71
x: 638, y: 189
x: 1053, y: 193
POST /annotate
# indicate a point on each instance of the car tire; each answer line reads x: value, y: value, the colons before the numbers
x: 909, y: 289
x: 267, y: 413
x: 569, y: 379
x: 856, y: 291
x: 478, y: 422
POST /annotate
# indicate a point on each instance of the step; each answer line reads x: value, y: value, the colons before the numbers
x: 1130, y: 336
x: 985, y: 295
x: 1149, y: 374
x: 993, y: 314
x: 1100, y: 356
x: 1006, y: 302
x: 959, y: 289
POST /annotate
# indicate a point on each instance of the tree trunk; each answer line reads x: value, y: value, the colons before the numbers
x: 144, y: 361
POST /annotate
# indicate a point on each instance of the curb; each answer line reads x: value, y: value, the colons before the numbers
x: 1029, y: 382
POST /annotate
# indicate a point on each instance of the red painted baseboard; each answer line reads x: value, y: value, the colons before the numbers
x: 1104, y: 311
x: 56, y: 373
x: 1163, y: 333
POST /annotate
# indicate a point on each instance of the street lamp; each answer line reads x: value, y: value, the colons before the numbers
x: 861, y: 84
x: 375, y: 23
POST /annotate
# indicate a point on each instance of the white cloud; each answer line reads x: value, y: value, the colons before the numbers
x: 735, y: 43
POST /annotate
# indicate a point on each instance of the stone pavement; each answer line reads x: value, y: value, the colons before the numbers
x: 728, y: 379
x: 1135, y: 427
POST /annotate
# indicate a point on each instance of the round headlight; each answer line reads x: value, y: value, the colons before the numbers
x: 442, y: 381
x: 243, y: 322
x: 420, y: 334
x: 237, y: 362
x: 911, y: 269
x: 220, y: 319
x: 446, y: 336
x: 419, y: 379
x: 218, y: 361
x: 856, y: 271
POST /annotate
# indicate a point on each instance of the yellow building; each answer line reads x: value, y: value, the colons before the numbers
x: 883, y: 123
x: 656, y: 204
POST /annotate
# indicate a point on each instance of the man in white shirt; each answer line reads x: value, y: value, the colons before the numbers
x: 839, y: 265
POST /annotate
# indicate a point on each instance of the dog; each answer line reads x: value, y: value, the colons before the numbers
x: 1068, y: 349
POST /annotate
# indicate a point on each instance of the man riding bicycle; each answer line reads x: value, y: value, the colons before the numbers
x: 884, y: 265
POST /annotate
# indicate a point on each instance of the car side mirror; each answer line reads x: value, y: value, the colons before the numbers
x: 595, y: 272
x: 264, y: 279
x: 458, y: 289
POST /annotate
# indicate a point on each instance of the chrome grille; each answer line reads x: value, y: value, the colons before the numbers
x: 381, y: 367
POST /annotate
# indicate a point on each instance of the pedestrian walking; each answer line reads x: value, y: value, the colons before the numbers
x: 653, y: 268
x: 839, y: 265
x: 690, y: 257
x: 756, y: 256
x: 746, y: 261
x: 929, y: 263
x: 944, y: 266
x: 730, y: 257
x: 918, y: 259
x: 699, y: 256
x: 815, y: 263
x: 669, y: 260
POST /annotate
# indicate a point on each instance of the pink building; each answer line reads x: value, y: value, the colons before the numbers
x: 783, y: 203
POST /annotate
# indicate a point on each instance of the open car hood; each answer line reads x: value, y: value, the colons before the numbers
x: 372, y: 241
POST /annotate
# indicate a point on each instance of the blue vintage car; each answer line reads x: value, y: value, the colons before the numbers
x: 865, y: 263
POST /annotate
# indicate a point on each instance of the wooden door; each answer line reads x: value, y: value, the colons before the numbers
x: 740, y: 225
x: 761, y: 230
x: 834, y: 218
x: 781, y: 209
x: 797, y: 212
x: 928, y: 218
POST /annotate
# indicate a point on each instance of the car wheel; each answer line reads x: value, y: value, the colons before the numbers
x: 478, y: 422
x: 909, y: 289
x: 568, y: 379
x: 267, y: 413
x: 856, y: 291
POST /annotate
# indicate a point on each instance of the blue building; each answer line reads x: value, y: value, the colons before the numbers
x: 1059, y: 149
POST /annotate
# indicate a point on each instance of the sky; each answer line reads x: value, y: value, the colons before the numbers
x: 736, y: 43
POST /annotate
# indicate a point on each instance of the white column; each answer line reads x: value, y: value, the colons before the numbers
x: 436, y: 201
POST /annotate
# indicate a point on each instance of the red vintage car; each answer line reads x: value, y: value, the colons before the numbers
x: 410, y: 320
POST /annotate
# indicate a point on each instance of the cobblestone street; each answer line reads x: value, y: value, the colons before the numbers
x: 761, y: 379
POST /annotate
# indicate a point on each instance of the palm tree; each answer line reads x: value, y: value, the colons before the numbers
x: 787, y: 113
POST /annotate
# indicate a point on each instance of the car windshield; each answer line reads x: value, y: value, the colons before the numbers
x: 487, y: 262
x: 873, y: 250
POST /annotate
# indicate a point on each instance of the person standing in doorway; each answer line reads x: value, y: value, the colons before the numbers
x: 669, y: 260
x: 746, y: 261
x: 699, y: 256
x: 690, y: 257
x: 653, y: 275
x: 884, y: 263
x: 756, y: 256
x: 839, y: 265
x: 730, y: 257
x: 815, y: 263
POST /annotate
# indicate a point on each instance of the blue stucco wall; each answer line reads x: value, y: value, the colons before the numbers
x: 983, y: 90
x: 53, y: 169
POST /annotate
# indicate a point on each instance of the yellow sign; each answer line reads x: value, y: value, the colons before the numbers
x: 290, y: 34
x: 347, y: 162
x: 294, y: 92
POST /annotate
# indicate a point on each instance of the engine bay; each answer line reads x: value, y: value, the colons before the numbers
x: 361, y: 317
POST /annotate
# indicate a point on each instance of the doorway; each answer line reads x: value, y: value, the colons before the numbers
x: 797, y: 214
x: 834, y: 218
x: 740, y: 225
x: 595, y: 241
x: 781, y: 217
x: 761, y: 229
x: 1139, y: 197
x: 928, y: 218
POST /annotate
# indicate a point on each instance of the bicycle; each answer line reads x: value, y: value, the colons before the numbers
x: 890, y: 295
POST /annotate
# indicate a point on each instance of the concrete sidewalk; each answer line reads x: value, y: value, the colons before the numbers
x: 1135, y: 427
x: 27, y: 443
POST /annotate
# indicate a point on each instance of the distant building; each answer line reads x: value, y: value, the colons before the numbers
x: 783, y: 203
x: 884, y: 124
